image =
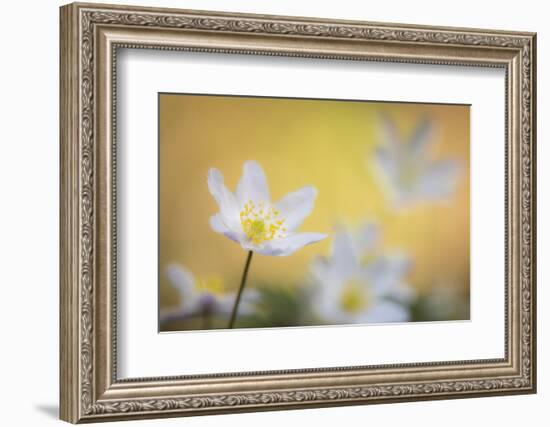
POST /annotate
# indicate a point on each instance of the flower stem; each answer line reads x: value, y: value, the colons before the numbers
x: 239, y: 293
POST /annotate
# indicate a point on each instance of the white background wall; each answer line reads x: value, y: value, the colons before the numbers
x: 29, y: 170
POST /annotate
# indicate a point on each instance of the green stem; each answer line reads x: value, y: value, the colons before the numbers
x: 239, y: 293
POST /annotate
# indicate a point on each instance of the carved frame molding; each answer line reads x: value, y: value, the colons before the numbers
x: 90, y: 37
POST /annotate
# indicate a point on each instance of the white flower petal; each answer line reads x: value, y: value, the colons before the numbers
x: 366, y: 238
x: 226, y: 303
x: 386, y: 165
x: 389, y: 134
x: 386, y: 168
x: 217, y: 224
x: 386, y: 273
x: 226, y: 199
x: 420, y: 140
x: 324, y: 300
x: 403, y: 293
x: 440, y: 180
x: 384, y: 312
x: 296, y: 206
x: 344, y: 259
x: 247, y: 307
x: 249, y: 299
x: 289, y: 244
x: 319, y: 269
x: 326, y: 286
x: 252, y: 185
x: 176, y: 314
x: 183, y: 280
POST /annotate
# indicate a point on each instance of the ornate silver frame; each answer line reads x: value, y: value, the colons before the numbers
x: 90, y: 36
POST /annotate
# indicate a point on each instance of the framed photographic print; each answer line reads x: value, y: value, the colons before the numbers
x: 264, y: 212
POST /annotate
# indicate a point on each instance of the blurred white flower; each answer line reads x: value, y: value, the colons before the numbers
x: 249, y: 218
x: 206, y: 298
x: 355, y: 285
x: 406, y: 169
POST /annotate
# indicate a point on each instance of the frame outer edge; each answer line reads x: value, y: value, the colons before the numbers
x: 533, y: 212
x: 68, y: 227
x: 77, y: 226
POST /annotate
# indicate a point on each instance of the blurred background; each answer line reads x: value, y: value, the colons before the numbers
x: 326, y: 143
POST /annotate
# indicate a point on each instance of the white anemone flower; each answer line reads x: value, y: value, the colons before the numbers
x: 249, y: 218
x: 203, y: 298
x: 354, y: 285
x: 406, y: 169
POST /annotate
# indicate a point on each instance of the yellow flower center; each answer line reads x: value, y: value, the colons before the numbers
x: 353, y: 298
x: 212, y: 284
x: 261, y: 223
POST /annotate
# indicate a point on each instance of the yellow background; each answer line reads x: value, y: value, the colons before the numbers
x: 299, y: 142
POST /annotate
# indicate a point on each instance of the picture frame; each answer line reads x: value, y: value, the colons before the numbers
x: 91, y: 37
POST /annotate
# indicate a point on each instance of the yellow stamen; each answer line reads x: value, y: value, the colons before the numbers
x: 353, y: 298
x: 260, y: 224
x: 212, y: 284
